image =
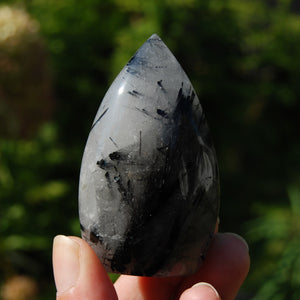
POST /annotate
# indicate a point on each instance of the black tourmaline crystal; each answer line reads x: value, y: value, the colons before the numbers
x: 149, y: 186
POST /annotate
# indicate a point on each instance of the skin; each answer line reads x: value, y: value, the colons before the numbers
x: 79, y: 274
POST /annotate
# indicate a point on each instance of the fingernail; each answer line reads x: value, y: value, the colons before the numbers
x: 241, y: 239
x: 207, y: 285
x: 66, y: 265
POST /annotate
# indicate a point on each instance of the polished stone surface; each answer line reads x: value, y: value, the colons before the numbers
x: 149, y: 186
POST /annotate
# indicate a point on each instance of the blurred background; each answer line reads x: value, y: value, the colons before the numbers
x: 58, y: 58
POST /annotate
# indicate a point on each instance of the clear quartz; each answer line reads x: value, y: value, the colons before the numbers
x: 149, y: 185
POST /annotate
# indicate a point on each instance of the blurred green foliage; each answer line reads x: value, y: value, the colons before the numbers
x: 243, y: 58
x: 275, y: 232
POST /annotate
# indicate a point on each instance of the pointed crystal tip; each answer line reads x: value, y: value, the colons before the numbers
x: 154, y: 36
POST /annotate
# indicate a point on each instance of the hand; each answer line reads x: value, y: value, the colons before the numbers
x: 79, y: 274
